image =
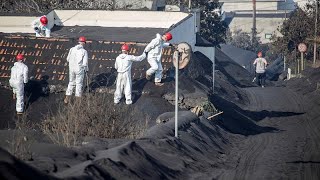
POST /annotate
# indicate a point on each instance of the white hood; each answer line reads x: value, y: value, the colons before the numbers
x: 122, y: 56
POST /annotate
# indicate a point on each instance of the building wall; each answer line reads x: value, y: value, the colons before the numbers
x: 235, y: 5
x: 247, y: 6
x: 264, y: 26
x: 185, y: 32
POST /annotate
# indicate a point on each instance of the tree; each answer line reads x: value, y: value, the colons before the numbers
x: 211, y: 26
x: 242, y: 40
x: 296, y: 29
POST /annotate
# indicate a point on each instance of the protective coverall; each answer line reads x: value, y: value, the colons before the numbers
x: 261, y: 65
x: 19, y: 76
x: 123, y: 66
x: 40, y: 29
x: 78, y: 66
x: 154, y: 50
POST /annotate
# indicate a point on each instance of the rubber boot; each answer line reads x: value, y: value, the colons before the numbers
x: 66, y: 99
x: 148, y: 77
x: 159, y: 84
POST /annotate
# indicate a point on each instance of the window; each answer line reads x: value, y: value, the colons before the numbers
x: 268, y: 35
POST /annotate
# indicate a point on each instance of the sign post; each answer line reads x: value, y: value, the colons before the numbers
x: 181, y: 58
x: 302, y: 47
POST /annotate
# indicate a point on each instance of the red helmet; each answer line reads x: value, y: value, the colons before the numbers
x: 44, y: 20
x: 125, y: 47
x: 82, y: 39
x: 168, y: 36
x: 259, y: 53
x: 19, y: 57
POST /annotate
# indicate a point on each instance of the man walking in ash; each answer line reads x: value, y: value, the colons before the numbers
x: 154, y: 52
x: 78, y: 66
x: 18, y: 79
x: 261, y: 64
x: 123, y: 66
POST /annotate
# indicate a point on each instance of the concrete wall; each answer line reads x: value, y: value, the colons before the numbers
x: 154, y: 19
x: 16, y: 24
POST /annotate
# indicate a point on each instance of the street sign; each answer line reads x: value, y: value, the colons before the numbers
x: 302, y: 47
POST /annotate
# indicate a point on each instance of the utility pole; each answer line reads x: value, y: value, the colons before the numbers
x: 284, y: 55
x: 189, y: 5
x: 253, y: 36
x: 315, y: 36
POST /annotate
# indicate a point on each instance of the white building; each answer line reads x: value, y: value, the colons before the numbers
x: 270, y: 14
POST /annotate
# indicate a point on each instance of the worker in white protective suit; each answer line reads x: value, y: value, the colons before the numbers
x: 40, y: 27
x: 78, y: 66
x: 19, y: 77
x: 154, y: 51
x: 123, y: 66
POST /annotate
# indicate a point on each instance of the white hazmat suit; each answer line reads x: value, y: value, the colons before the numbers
x: 154, y: 50
x: 123, y: 66
x: 19, y: 76
x: 78, y: 66
x: 42, y: 30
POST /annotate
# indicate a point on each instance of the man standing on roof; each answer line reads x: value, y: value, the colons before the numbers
x: 154, y: 51
x: 123, y: 66
x: 40, y: 27
x: 18, y: 78
x: 78, y: 66
x: 261, y: 64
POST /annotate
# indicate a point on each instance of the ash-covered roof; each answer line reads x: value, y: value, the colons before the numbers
x: 119, y: 34
x: 47, y: 57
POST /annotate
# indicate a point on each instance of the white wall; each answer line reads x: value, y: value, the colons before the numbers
x: 16, y: 24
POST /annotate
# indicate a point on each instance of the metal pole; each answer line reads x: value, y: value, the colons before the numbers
x: 189, y: 5
x: 176, y: 99
x: 213, y: 68
x: 284, y: 63
x: 302, y: 68
x: 284, y: 56
x: 254, y: 22
x: 315, y: 36
x: 297, y: 61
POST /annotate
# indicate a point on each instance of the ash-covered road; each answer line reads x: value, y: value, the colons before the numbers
x: 290, y: 152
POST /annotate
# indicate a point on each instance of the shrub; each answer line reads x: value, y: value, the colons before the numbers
x: 93, y: 115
